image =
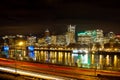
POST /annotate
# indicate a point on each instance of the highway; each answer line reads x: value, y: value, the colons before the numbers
x: 49, y: 69
x: 34, y: 74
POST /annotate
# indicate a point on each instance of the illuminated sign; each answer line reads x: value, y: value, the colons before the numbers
x: 31, y: 48
x: 6, y: 48
x: 74, y: 54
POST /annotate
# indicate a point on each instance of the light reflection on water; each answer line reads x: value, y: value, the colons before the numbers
x: 104, y: 62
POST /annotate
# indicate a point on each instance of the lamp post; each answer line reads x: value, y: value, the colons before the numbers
x: 21, y: 43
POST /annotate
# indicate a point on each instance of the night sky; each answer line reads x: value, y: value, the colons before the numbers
x: 35, y: 16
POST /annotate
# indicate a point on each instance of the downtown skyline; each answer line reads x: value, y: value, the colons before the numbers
x: 55, y: 29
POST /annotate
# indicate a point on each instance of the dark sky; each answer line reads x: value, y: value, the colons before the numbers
x: 34, y: 16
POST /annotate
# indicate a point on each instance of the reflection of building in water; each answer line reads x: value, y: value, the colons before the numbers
x: 79, y: 58
x: 64, y: 57
x: 108, y: 60
x: 54, y: 56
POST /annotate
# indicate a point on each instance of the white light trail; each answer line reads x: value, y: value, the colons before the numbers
x: 34, y: 74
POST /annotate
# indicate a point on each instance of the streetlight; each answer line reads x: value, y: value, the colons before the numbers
x: 21, y: 43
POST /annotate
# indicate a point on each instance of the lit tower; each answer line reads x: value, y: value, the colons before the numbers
x: 111, y: 35
x: 71, y: 28
x: 47, y: 33
x: 47, y: 37
x: 70, y: 36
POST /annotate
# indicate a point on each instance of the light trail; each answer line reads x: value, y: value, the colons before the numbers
x: 34, y: 74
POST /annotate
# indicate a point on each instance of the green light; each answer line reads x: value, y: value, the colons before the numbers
x: 81, y: 34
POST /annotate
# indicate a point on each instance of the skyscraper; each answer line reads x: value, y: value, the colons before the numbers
x: 70, y: 35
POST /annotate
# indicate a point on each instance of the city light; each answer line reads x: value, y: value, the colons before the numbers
x: 33, y: 74
x: 21, y: 43
x: 73, y: 35
x: 85, y: 51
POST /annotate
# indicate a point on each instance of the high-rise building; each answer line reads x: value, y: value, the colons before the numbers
x: 99, y: 36
x: 47, y: 37
x: 71, y: 28
x: 111, y: 35
x: 31, y: 40
x: 47, y: 33
x: 90, y: 36
x: 53, y: 39
x: 70, y: 35
x: 60, y: 40
x: 84, y: 37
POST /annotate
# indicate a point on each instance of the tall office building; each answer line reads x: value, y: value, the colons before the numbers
x: 47, y: 33
x: 111, y: 35
x: 70, y: 35
x: 47, y: 37
x: 31, y: 40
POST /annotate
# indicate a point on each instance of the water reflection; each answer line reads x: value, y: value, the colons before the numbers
x: 80, y: 58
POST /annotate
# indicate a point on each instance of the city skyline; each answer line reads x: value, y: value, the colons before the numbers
x: 56, y: 29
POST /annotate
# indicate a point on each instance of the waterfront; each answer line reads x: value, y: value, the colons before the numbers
x: 69, y: 57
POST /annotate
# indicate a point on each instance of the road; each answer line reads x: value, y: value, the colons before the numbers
x: 30, y: 74
x: 65, y: 71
